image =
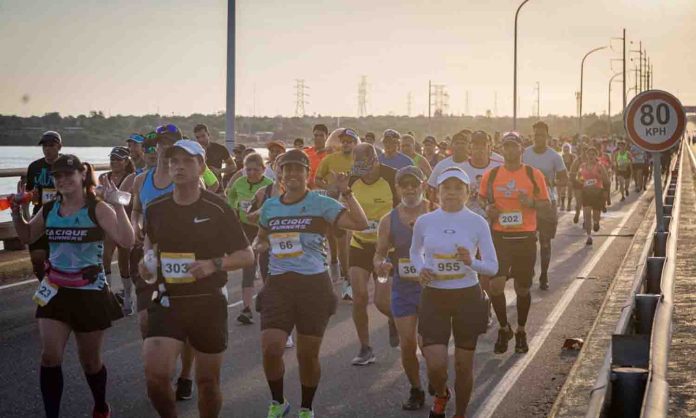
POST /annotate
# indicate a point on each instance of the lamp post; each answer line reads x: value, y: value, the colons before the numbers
x: 611, y: 80
x: 514, y: 79
x: 229, y: 109
x: 582, y: 69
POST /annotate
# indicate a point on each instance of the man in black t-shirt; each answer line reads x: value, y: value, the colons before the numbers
x: 215, y: 154
x: 196, y: 238
x: 39, y: 181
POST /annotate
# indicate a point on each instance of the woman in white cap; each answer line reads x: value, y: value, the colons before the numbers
x: 443, y: 250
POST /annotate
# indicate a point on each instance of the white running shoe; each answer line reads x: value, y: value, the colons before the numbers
x: 289, y: 343
x: 347, y: 293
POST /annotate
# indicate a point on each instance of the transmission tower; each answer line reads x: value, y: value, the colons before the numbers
x: 440, y: 99
x: 537, y: 89
x: 495, y: 103
x: 467, y: 103
x: 362, y: 96
x: 409, y: 100
x: 300, y: 96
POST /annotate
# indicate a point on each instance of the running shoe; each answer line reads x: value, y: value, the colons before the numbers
x: 589, y: 241
x: 245, y: 317
x: 521, y: 342
x: 544, y: 282
x: 184, y: 389
x: 504, y: 336
x: 595, y: 227
x: 364, y: 357
x: 415, y: 401
x: 127, y: 307
x: 97, y: 414
x: 305, y: 413
x: 278, y: 410
x: 439, y: 407
x: 289, y: 343
x: 393, y: 334
x: 576, y: 218
x: 347, y: 293
x: 623, y: 198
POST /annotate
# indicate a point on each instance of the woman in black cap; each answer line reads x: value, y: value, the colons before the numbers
x: 74, y: 297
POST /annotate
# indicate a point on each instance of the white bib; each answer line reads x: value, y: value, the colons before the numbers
x: 448, y: 267
x: 286, y: 245
x: 590, y: 182
x: 45, y: 292
x: 372, y: 227
x: 407, y: 271
x: 175, y: 267
x: 244, y: 205
x: 48, y: 195
x: 510, y: 219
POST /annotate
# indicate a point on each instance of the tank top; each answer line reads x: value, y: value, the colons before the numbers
x: 400, y: 237
x: 623, y: 160
x: 150, y: 192
x: 75, y: 241
x: 591, y: 177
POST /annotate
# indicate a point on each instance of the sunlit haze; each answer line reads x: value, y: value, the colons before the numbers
x: 168, y: 57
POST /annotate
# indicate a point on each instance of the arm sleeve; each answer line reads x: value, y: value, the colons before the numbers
x: 231, y: 234
x: 416, y: 251
x: 488, y: 264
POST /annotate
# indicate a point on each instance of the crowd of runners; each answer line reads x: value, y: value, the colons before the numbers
x: 436, y: 227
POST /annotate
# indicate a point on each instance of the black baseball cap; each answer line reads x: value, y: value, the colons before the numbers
x: 294, y: 156
x: 410, y: 170
x: 50, y: 136
x: 119, y: 153
x: 66, y: 163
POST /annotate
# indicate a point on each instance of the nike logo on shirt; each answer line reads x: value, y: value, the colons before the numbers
x: 197, y: 221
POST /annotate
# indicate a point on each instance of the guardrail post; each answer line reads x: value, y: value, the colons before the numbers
x: 627, y: 389
x: 659, y: 244
x: 667, y: 210
x: 668, y: 220
x: 653, y: 274
x: 645, y: 312
x: 669, y: 199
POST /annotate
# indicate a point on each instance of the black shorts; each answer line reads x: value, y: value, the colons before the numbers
x: 639, y: 166
x: 443, y: 312
x: 547, y: 222
x: 200, y: 320
x: 82, y: 310
x: 40, y: 244
x: 305, y: 302
x: 593, y: 198
x: 624, y: 173
x: 362, y: 257
x: 516, y: 257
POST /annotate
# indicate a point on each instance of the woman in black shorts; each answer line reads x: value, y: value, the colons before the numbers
x: 595, y: 186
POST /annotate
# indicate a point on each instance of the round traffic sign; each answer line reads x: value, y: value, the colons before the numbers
x: 655, y: 120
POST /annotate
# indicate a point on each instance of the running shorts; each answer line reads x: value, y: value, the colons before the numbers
x: 292, y: 300
x: 462, y: 312
x: 593, y: 198
x: 82, y: 310
x: 624, y: 173
x: 200, y: 320
x: 639, y: 166
x: 405, y: 299
x: 362, y: 257
x: 516, y: 257
x: 547, y: 222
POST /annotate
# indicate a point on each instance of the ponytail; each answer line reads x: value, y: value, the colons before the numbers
x: 90, y: 184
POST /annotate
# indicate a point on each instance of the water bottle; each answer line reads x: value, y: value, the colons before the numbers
x: 150, y: 263
x: 21, y: 198
x: 116, y: 197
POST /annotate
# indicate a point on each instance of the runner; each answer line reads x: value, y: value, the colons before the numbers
x: 577, y: 181
x: 443, y: 251
x: 567, y: 190
x: 460, y: 155
x: 514, y: 193
x: 40, y: 182
x: 298, y: 292
x: 317, y: 153
x: 370, y: 139
x: 392, y: 157
x: 196, y: 238
x: 430, y: 151
x: 135, y: 149
x: 216, y: 155
x: 121, y: 167
x: 595, y: 188
x: 372, y: 184
x: 240, y: 196
x: 622, y: 165
x: 74, y: 297
x: 395, y: 231
x: 551, y: 165
x: 408, y: 147
x: 298, y: 143
x: 639, y: 167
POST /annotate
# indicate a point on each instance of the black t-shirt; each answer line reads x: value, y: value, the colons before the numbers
x: 216, y: 154
x: 204, y: 230
x: 39, y: 177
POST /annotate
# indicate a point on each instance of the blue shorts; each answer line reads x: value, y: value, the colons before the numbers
x: 405, y: 298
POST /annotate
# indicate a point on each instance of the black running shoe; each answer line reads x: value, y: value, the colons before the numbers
x: 576, y: 218
x: 544, y: 282
x: 393, y: 334
x: 184, y: 389
x: 245, y: 317
x: 504, y: 336
x: 415, y: 401
x: 521, y: 342
x: 595, y: 227
x: 589, y: 241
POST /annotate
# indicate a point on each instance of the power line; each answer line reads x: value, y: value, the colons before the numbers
x: 362, y: 96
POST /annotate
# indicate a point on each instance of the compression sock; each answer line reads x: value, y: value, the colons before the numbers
x: 500, y: 308
x: 523, y: 305
x: 51, y: 381
x: 308, y: 396
x: 276, y: 387
x: 97, y: 384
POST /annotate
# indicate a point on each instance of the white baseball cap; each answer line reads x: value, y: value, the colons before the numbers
x: 453, y: 172
x: 192, y: 148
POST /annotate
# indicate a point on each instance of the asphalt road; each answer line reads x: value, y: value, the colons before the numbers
x: 508, y: 385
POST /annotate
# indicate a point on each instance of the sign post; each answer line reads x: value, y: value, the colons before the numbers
x: 655, y: 121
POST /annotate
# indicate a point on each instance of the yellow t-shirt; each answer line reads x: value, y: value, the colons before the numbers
x: 376, y: 199
x: 337, y: 162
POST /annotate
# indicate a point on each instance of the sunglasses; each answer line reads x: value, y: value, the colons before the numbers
x: 168, y: 128
x: 150, y: 150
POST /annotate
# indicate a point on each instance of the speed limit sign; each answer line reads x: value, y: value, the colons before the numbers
x: 655, y: 120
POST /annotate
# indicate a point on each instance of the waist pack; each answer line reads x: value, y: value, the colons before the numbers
x: 84, y: 277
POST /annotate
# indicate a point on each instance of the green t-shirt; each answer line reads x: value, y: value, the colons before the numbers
x: 240, y: 195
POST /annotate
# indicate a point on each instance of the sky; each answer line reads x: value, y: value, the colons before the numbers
x: 169, y: 56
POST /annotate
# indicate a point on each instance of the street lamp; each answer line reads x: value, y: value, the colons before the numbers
x: 582, y: 68
x: 514, y: 79
x: 611, y: 80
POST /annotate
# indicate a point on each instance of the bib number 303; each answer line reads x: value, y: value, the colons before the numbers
x: 45, y: 293
x: 175, y: 267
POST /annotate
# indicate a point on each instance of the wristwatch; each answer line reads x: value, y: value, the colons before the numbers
x: 217, y: 262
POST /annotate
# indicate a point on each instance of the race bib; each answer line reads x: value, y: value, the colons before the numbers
x: 407, y: 271
x: 244, y: 205
x: 371, y: 230
x: 48, y: 195
x: 508, y: 219
x: 590, y: 182
x: 175, y: 267
x: 447, y: 267
x: 45, y: 292
x: 286, y: 245
x: 322, y: 192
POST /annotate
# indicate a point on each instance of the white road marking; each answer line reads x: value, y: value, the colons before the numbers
x: 493, y: 400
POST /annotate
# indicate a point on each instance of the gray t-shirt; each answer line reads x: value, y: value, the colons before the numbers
x: 549, y: 163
